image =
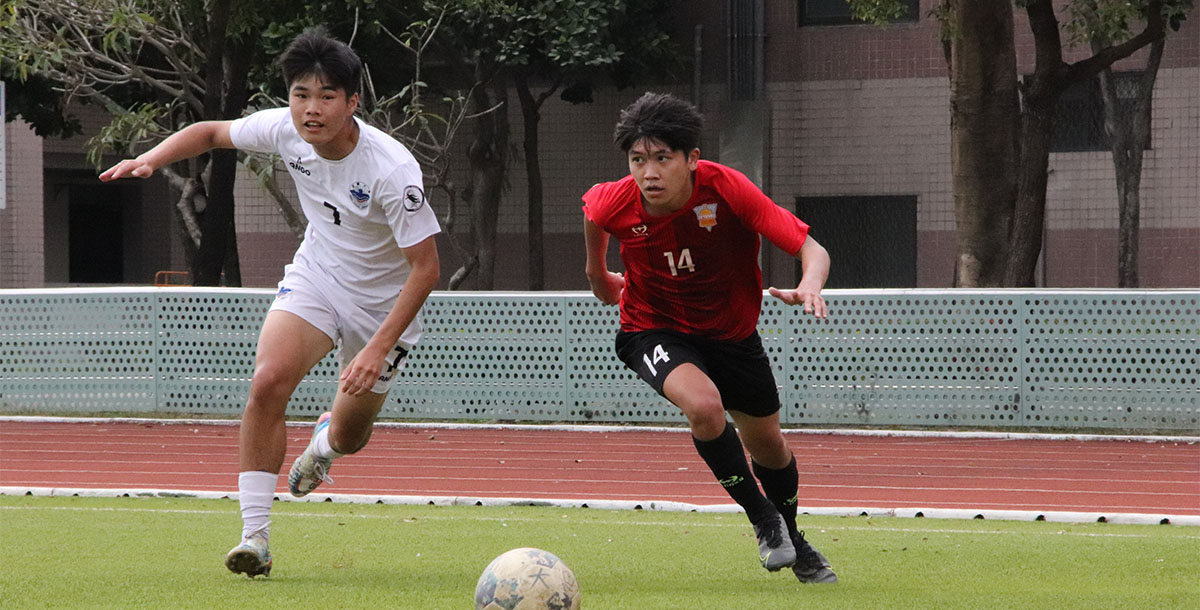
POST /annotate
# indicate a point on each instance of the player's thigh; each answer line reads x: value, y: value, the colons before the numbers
x: 288, y: 347
x: 357, y: 327
x: 742, y: 372
x: 689, y: 388
x: 654, y: 355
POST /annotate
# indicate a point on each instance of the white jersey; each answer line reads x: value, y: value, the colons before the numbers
x: 361, y: 209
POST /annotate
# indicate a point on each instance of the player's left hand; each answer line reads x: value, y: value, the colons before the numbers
x: 812, y: 300
x: 128, y: 168
x: 363, y: 371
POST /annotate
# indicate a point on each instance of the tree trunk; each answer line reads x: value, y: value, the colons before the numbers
x: 1041, y: 92
x: 1039, y: 99
x: 1129, y: 137
x: 217, y: 219
x: 488, y: 155
x: 983, y: 107
x: 1037, y: 126
x: 218, y: 213
x: 533, y: 177
x: 234, y: 98
x: 233, y: 263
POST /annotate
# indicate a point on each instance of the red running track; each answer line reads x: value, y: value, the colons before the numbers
x: 902, y: 473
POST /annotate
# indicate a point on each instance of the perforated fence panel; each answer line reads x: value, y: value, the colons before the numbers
x: 906, y: 358
x: 206, y: 340
x: 1113, y: 361
x: 1003, y: 358
x: 486, y: 356
x: 77, y: 351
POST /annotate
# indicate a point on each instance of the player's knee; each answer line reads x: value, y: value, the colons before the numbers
x: 270, y: 386
x: 706, y: 417
x: 772, y: 452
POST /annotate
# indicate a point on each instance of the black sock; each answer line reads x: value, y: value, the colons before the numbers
x: 727, y: 460
x: 782, y: 488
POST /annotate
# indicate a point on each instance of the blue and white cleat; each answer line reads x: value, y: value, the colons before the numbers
x: 309, y: 471
x: 251, y: 557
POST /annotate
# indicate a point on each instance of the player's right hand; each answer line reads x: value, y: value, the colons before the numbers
x: 128, y: 168
x: 608, y: 287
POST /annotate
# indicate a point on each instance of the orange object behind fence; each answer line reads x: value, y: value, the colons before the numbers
x: 172, y: 278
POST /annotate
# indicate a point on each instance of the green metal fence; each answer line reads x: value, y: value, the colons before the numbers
x: 1111, y: 360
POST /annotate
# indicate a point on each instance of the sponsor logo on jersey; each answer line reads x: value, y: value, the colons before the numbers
x: 414, y: 198
x: 640, y: 230
x: 706, y: 214
x: 296, y: 165
x: 283, y: 292
x: 361, y: 194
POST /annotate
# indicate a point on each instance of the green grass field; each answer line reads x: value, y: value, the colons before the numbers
x: 167, y: 553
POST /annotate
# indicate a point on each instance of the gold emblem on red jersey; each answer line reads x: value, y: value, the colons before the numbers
x: 707, y: 215
x: 640, y: 230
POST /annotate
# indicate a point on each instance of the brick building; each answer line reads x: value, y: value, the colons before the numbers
x: 847, y: 124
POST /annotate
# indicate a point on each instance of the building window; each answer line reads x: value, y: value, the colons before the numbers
x: 1079, y: 117
x: 837, y: 12
x: 871, y: 239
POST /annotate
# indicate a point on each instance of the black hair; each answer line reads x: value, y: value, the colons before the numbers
x: 315, y: 53
x: 659, y: 116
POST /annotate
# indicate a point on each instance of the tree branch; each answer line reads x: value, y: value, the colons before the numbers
x: 1154, y: 30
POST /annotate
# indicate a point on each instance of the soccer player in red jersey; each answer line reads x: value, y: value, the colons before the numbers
x: 690, y: 300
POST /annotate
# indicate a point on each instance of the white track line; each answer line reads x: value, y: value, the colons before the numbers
x: 651, y: 505
x: 633, y: 428
x: 733, y: 524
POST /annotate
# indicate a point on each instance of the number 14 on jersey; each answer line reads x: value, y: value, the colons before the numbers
x: 684, y: 261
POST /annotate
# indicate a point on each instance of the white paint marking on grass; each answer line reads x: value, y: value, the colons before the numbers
x: 615, y: 523
x: 649, y: 505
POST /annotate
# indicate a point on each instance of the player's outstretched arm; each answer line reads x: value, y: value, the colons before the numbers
x: 606, y: 285
x: 195, y: 139
x: 814, y: 261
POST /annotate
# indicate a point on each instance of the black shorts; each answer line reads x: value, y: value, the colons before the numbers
x: 740, y: 369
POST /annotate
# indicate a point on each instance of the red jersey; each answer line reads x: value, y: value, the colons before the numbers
x: 696, y: 270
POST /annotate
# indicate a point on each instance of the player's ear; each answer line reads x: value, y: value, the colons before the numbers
x: 693, y: 159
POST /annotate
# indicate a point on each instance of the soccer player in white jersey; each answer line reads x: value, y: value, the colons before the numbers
x: 357, y: 282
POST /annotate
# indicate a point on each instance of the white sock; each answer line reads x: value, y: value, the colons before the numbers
x: 321, y: 447
x: 256, y: 490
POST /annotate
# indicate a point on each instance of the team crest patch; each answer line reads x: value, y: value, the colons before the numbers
x: 640, y: 230
x: 414, y: 198
x: 360, y: 193
x: 283, y: 292
x: 707, y: 215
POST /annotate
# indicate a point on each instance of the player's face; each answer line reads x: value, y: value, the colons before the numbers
x: 663, y: 175
x: 324, y: 116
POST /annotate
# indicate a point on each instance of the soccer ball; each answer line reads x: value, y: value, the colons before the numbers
x: 527, y: 579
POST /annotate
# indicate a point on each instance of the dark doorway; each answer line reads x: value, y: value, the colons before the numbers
x: 872, y: 240
x: 95, y: 222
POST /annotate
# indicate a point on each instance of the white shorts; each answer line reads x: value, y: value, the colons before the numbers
x: 318, y: 300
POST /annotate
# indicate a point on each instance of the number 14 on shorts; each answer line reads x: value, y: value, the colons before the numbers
x: 660, y: 355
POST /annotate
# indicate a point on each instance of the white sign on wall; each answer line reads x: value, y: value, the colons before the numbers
x: 3, y: 150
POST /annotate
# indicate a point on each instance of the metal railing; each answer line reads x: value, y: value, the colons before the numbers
x: 1111, y: 360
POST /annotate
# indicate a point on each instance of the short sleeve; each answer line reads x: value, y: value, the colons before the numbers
x: 760, y: 213
x: 259, y: 132
x: 597, y: 204
x: 407, y: 206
